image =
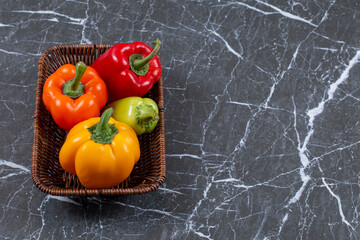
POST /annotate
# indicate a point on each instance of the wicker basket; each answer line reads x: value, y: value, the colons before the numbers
x: 148, y: 173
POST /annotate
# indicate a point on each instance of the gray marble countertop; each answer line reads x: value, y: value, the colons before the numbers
x: 261, y: 119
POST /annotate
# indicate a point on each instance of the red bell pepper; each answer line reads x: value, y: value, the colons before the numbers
x: 129, y: 69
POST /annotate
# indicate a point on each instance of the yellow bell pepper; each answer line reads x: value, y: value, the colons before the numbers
x: 102, y: 152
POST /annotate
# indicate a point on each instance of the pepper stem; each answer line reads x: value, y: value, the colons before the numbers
x: 146, y: 116
x: 139, y: 64
x: 103, y: 132
x: 74, y: 87
x: 103, y: 124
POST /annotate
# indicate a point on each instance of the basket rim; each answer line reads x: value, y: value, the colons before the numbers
x: 50, y: 189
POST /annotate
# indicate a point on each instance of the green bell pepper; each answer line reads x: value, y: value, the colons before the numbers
x: 142, y: 114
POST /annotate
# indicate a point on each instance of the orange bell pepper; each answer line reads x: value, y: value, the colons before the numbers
x: 100, y: 151
x: 74, y: 94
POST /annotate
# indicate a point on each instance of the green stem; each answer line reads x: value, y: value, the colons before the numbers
x: 139, y: 63
x: 145, y: 114
x: 80, y: 69
x: 104, y: 132
x: 146, y: 117
x: 103, y: 125
x: 74, y: 88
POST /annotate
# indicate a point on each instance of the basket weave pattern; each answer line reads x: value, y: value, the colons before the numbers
x: 148, y: 173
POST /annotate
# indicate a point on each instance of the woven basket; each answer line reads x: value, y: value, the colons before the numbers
x: 148, y: 173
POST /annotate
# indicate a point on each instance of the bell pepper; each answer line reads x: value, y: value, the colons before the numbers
x: 73, y: 94
x: 142, y: 114
x: 129, y: 69
x: 100, y: 151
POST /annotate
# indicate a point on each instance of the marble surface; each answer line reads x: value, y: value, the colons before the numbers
x: 261, y: 115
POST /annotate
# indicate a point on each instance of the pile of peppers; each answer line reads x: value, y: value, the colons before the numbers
x: 103, y: 111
